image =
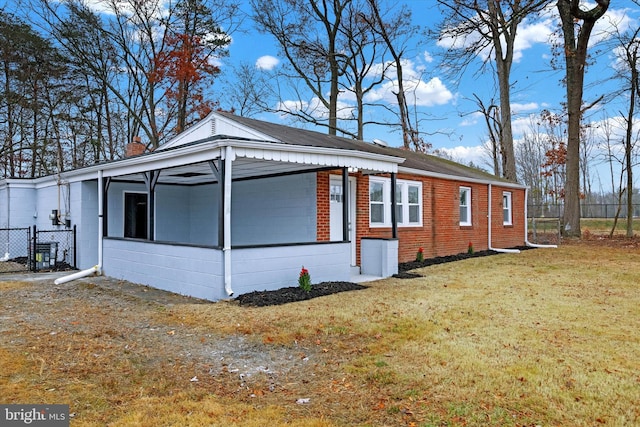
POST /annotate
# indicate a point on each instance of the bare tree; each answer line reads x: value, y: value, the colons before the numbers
x: 363, y: 48
x: 395, y: 33
x: 629, y: 50
x: 247, y: 91
x: 307, y: 32
x: 495, y: 24
x: 577, y: 25
x: 491, y: 115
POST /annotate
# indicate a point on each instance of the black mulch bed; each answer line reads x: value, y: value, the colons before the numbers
x: 294, y: 294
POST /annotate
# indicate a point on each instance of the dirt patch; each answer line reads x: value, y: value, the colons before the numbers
x: 101, y: 321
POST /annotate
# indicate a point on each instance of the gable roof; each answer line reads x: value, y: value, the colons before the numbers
x: 420, y: 163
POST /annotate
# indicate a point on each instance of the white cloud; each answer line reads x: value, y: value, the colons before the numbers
x: 476, y: 154
x: 517, y: 108
x: 471, y: 119
x: 427, y: 57
x: 267, y: 62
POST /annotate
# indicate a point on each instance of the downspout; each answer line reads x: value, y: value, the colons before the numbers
x: 489, y: 216
x: 526, y: 224
x: 96, y: 269
x: 226, y: 249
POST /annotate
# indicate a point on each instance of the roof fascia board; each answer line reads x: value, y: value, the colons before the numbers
x: 316, y: 155
x: 209, y: 150
x: 459, y: 178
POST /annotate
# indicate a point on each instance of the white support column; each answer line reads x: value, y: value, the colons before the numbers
x: 226, y: 249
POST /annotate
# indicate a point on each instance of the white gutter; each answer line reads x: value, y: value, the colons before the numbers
x: 508, y: 251
x: 526, y: 225
x: 96, y: 269
x: 226, y: 248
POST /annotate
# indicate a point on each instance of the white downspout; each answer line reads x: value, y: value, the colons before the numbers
x: 96, y: 269
x: 526, y: 224
x: 226, y: 249
x: 508, y: 251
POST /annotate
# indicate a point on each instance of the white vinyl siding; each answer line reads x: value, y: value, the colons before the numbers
x: 408, y: 202
x: 506, y: 208
x: 465, y: 206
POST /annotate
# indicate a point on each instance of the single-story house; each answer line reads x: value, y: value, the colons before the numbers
x: 233, y: 205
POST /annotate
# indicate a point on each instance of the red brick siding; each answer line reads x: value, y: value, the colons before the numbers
x: 440, y: 233
x: 323, y: 207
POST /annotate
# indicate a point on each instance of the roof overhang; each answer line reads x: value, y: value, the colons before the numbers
x: 251, y: 159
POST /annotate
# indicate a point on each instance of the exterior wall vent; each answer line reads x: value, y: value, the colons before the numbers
x: 213, y: 127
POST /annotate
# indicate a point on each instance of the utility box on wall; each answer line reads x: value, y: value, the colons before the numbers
x: 46, y: 255
x: 379, y: 257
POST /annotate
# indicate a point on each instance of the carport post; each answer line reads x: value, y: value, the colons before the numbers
x: 226, y: 249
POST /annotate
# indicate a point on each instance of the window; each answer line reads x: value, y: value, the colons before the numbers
x: 399, y: 208
x: 376, y: 202
x: 465, y: 206
x: 135, y: 215
x: 408, y: 202
x: 506, y: 208
x: 336, y: 194
x: 414, y: 198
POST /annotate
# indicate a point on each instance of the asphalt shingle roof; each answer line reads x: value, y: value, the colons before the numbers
x: 413, y: 160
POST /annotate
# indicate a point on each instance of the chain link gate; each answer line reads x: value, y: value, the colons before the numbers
x: 53, y: 250
x: 15, y: 254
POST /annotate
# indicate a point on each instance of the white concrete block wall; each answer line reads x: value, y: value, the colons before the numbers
x: 379, y: 257
x: 257, y: 269
x: 85, y: 217
x: 185, y: 270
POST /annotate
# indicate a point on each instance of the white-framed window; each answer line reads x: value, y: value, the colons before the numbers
x: 377, y: 202
x: 506, y: 208
x: 408, y: 202
x: 465, y: 206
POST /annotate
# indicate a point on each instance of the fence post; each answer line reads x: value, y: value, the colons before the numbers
x: 75, y: 246
x: 33, y: 250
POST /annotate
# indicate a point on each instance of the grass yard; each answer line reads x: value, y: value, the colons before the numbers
x: 548, y: 337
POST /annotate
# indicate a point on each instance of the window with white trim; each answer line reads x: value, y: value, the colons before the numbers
x: 465, y: 206
x: 408, y: 202
x: 377, y: 202
x: 506, y: 208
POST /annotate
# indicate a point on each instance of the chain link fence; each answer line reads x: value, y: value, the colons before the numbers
x: 587, y: 210
x: 29, y: 249
x: 15, y: 255
x: 544, y: 231
x: 54, y: 250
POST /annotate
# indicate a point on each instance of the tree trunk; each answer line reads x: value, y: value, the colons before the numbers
x: 575, y: 51
x: 629, y: 145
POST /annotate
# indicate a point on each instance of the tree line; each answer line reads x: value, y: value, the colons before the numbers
x: 78, y: 82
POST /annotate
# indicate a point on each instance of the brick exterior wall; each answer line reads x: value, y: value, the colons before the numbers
x: 324, y: 207
x: 441, y: 233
